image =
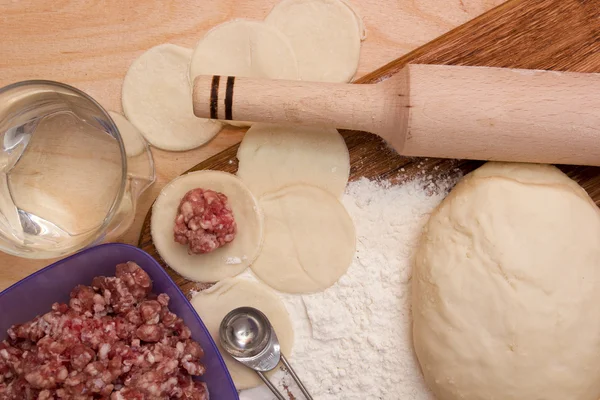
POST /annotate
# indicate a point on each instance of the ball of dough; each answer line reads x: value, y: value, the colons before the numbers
x: 274, y: 156
x: 309, y: 240
x: 226, y: 261
x: 506, y: 288
x: 213, y: 304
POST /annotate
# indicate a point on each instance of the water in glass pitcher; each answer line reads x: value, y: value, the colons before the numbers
x: 61, y: 173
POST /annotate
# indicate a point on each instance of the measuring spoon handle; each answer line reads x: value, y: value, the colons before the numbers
x: 270, y: 385
x: 296, y: 378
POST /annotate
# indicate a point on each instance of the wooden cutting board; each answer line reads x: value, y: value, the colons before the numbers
x: 561, y: 35
x: 92, y: 44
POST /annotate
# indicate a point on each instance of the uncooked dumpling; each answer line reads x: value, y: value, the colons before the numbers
x: 325, y: 36
x: 213, y: 304
x: 226, y: 261
x: 309, y: 240
x: 157, y: 99
x: 506, y: 288
x: 274, y: 156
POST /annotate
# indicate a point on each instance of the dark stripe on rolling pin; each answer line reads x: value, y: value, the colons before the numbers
x: 229, y: 98
x: 214, y: 97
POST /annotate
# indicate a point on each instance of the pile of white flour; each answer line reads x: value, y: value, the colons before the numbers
x: 353, y: 341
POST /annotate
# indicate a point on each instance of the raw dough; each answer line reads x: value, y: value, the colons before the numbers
x: 325, y: 35
x: 213, y: 304
x: 226, y: 261
x: 157, y: 99
x: 309, y: 240
x: 244, y: 48
x: 506, y: 288
x: 530, y: 174
x: 273, y: 156
x: 132, y: 138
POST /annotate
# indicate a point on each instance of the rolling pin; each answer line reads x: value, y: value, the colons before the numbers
x: 441, y: 111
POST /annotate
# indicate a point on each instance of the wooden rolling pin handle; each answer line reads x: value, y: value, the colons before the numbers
x: 335, y: 105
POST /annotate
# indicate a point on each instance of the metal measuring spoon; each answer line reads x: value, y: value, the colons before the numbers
x: 248, y: 336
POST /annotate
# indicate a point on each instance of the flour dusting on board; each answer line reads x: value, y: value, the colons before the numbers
x: 353, y: 341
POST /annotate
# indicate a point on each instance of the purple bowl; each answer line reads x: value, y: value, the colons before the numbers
x: 35, y: 294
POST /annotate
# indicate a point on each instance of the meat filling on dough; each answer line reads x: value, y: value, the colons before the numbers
x: 204, y: 221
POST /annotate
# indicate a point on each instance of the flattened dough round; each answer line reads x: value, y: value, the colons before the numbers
x: 157, y: 99
x: 214, y: 303
x: 132, y: 138
x: 226, y: 261
x: 325, y: 35
x: 506, y: 288
x: 244, y: 48
x: 274, y: 156
x: 309, y: 240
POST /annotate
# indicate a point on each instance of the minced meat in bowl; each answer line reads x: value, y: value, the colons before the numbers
x: 112, y: 338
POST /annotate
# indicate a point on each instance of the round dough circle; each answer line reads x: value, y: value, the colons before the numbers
x: 132, y: 138
x: 309, y: 240
x: 244, y: 48
x: 506, y: 288
x: 274, y: 156
x: 214, y: 303
x: 325, y: 35
x: 224, y: 262
x: 157, y: 99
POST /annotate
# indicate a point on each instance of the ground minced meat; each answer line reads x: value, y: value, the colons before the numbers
x: 204, y: 221
x: 115, y: 340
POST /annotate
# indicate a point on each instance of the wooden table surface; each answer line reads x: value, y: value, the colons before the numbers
x: 90, y: 44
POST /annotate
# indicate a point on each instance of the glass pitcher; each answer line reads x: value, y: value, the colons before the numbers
x: 67, y: 180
